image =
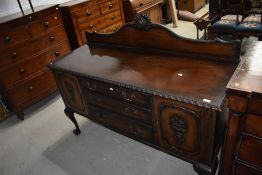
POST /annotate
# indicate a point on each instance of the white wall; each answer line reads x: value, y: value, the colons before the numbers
x: 8, y: 7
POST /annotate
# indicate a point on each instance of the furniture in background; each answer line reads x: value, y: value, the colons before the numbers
x: 238, y: 19
x: 28, y: 43
x: 242, y: 150
x: 92, y: 16
x: 168, y: 93
x: 151, y: 8
x: 191, y: 5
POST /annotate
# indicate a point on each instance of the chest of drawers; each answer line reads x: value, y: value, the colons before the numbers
x: 242, y: 152
x: 28, y: 43
x: 151, y: 8
x: 102, y: 16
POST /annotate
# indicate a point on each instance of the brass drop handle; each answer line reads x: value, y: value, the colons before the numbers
x: 14, y: 55
x: 22, y: 71
x: 51, y: 38
x: 110, y: 5
x: 46, y: 23
x: 88, y: 13
x: 30, y: 88
x: 131, y: 110
x: 7, y: 39
x: 57, y: 53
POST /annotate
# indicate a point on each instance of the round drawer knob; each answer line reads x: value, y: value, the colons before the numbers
x: 30, y: 88
x: 57, y: 53
x: 51, y: 38
x: 91, y: 26
x: 14, y: 55
x: 22, y: 71
x: 7, y: 39
x: 141, y: 4
x: 110, y: 5
x: 46, y: 23
x: 88, y: 13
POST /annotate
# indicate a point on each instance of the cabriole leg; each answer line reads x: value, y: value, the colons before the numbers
x: 70, y: 114
x: 202, y: 169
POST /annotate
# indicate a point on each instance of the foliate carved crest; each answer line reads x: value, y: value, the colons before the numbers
x: 179, y: 128
x: 142, y: 19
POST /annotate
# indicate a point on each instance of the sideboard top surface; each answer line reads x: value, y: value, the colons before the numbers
x: 194, y: 81
x: 248, y: 75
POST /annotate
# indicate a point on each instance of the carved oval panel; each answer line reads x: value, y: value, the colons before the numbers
x: 179, y: 129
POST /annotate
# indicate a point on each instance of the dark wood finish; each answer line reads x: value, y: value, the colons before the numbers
x: 91, y: 15
x: 28, y: 43
x: 191, y: 5
x: 243, y: 144
x: 151, y: 8
x: 168, y: 93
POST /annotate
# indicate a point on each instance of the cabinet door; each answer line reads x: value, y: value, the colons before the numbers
x: 183, y: 129
x: 69, y: 88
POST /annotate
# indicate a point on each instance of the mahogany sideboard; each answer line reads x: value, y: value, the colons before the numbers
x: 242, y: 152
x: 103, y: 16
x: 168, y: 93
x: 27, y: 44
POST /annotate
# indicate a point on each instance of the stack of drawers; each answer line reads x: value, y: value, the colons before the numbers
x: 102, y: 16
x: 28, y: 43
x: 121, y: 109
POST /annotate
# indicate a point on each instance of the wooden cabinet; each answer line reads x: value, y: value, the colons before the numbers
x: 242, y: 152
x: 28, y: 43
x: 152, y: 96
x: 91, y: 16
x: 151, y: 8
x: 191, y: 5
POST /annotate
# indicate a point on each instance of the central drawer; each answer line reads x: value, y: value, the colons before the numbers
x: 119, y: 123
x: 126, y: 109
x: 118, y: 92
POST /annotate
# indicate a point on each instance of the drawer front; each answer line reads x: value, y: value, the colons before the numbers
x: 112, y: 18
x: 87, y: 14
x: 26, y: 69
x: 93, y: 25
x: 118, y: 106
x: 117, y: 92
x: 16, y: 54
x: 82, y: 6
x: 112, y: 28
x: 45, y: 24
x: 31, y: 88
x: 13, y: 36
x: 121, y: 124
x: 253, y: 125
x: 250, y: 151
x: 239, y: 169
x: 109, y: 6
x: 254, y: 106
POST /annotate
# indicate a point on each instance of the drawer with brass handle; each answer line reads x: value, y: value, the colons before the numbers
x: 122, y: 93
x: 117, y: 122
x: 118, y: 106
